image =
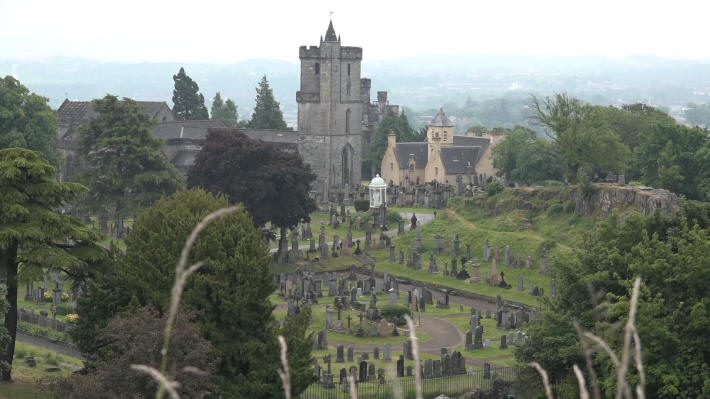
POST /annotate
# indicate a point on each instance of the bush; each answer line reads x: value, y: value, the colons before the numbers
x: 495, y: 188
x: 393, y: 217
x: 548, y: 245
x: 569, y: 206
x: 555, y: 209
x: 64, y: 308
x: 362, y: 205
x: 395, y: 314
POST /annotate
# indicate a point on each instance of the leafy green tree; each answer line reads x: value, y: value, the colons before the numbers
x: 582, y: 135
x: 391, y: 122
x: 668, y: 253
x: 698, y: 114
x: 122, y: 162
x: 273, y: 185
x: 131, y: 339
x: 27, y: 121
x: 229, y: 294
x: 188, y: 102
x: 522, y: 157
x: 32, y: 230
x: 676, y: 158
x: 224, y: 111
x: 267, y: 112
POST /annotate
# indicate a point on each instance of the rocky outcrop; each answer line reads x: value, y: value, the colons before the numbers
x: 609, y: 197
x: 601, y: 201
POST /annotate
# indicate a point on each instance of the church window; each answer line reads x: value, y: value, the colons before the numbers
x: 436, y: 171
x: 391, y: 166
x: 347, y: 121
x: 317, y: 68
x: 348, y: 69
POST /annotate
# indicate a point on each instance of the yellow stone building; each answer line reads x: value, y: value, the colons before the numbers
x: 443, y: 157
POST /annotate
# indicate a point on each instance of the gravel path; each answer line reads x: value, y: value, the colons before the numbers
x: 47, y: 344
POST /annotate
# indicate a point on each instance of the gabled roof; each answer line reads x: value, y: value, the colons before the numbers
x: 420, y: 151
x: 330, y: 33
x: 441, y: 120
x: 196, y: 130
x: 73, y: 113
x: 483, y: 142
x: 459, y: 160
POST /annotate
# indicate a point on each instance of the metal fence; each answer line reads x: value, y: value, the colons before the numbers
x: 449, y: 385
x: 43, y: 321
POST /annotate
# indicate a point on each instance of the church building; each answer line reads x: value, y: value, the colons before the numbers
x: 443, y: 157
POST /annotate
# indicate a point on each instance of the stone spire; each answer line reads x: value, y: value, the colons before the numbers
x: 330, y: 33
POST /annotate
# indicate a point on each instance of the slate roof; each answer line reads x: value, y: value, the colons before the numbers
x: 330, y: 33
x: 420, y: 151
x: 196, y: 130
x: 441, y: 120
x: 482, y: 142
x: 459, y: 160
x: 74, y: 113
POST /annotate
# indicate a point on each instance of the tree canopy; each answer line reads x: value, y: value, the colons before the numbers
x: 188, y: 102
x: 522, y: 157
x: 668, y: 253
x: 224, y: 111
x: 267, y: 111
x: 583, y: 137
x: 26, y: 120
x: 32, y: 230
x: 122, y: 162
x: 273, y: 185
x: 229, y: 294
x: 698, y: 114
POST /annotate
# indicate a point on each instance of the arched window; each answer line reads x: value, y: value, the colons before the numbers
x: 436, y: 171
x: 391, y: 166
x: 317, y: 68
x: 347, y: 121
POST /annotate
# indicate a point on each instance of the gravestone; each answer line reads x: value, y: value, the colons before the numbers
x: 407, y: 350
x: 487, y: 343
x: 487, y: 371
x: 478, y: 339
x: 387, y: 355
x: 521, y: 287
x: 351, y: 353
x: 543, y: 261
x: 393, y: 258
x: 506, y: 255
x: 400, y: 366
x: 528, y: 262
x: 486, y: 251
x: 503, y: 343
x: 409, y: 371
x: 469, y: 341
x: 363, y: 372
x: 432, y: 265
x: 457, y: 246
x: 454, y: 268
x: 438, y: 244
x: 339, y: 357
x: 401, y: 257
x: 400, y: 228
x: 428, y: 368
x: 371, y: 372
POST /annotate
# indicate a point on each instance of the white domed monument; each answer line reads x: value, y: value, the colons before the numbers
x: 378, y: 200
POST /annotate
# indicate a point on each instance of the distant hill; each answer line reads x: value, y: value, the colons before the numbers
x: 420, y: 83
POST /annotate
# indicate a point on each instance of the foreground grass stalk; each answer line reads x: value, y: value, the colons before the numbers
x: 285, y: 374
x: 583, y: 394
x: 415, y: 353
x: 545, y: 379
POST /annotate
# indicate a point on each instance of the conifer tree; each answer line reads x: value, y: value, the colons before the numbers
x: 122, y: 162
x: 267, y: 112
x: 224, y: 111
x: 34, y: 233
x: 188, y: 102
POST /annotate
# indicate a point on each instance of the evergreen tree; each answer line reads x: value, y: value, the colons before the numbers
x: 267, y: 112
x: 188, y: 102
x: 229, y: 294
x: 122, y: 163
x: 224, y: 111
x: 26, y: 120
x: 33, y: 232
x: 299, y: 342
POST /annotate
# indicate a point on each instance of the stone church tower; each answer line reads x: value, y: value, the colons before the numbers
x: 330, y: 111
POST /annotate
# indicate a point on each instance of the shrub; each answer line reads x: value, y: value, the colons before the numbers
x: 495, y: 188
x: 393, y: 217
x: 395, y: 314
x: 362, y: 205
x: 547, y: 244
x: 569, y: 206
x: 555, y: 209
x: 64, y: 308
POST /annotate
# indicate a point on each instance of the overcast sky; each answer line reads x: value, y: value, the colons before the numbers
x: 229, y: 31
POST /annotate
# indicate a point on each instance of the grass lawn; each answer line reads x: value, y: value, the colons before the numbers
x: 28, y: 380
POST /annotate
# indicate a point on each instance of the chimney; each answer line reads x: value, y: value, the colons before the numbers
x: 391, y: 139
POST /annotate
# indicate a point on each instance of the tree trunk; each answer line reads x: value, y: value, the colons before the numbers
x: 11, y: 315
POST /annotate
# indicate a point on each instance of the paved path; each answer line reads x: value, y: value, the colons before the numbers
x: 47, y: 344
x: 443, y: 333
x: 424, y: 218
